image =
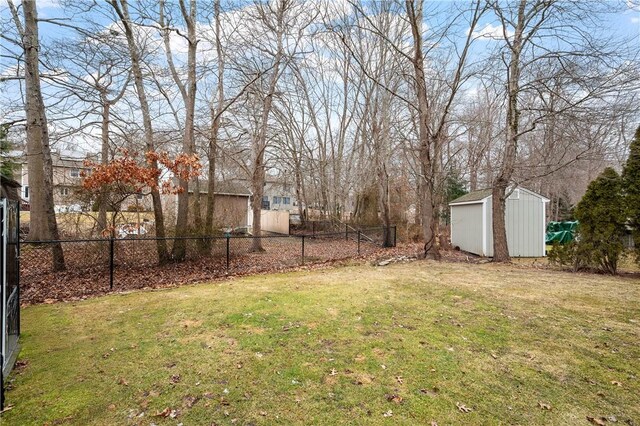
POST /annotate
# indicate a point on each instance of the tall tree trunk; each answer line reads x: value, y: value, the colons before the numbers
x: 259, y: 143
x: 188, y: 93
x: 501, y: 183
x: 122, y: 9
x: 216, y: 118
x: 211, y: 172
x: 427, y: 207
x: 104, y: 159
x: 384, y: 203
x: 257, y: 190
x: 43, y: 225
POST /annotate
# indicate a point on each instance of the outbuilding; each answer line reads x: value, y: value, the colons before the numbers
x: 472, y: 226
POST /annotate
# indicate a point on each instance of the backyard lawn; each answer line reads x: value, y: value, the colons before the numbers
x: 415, y: 343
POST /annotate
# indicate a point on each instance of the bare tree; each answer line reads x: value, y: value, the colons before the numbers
x: 43, y: 225
x: 529, y: 62
x: 188, y: 92
x: 432, y: 123
x: 122, y: 10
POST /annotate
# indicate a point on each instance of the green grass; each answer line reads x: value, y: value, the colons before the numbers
x: 340, y: 346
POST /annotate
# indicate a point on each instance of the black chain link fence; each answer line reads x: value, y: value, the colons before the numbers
x: 101, y: 266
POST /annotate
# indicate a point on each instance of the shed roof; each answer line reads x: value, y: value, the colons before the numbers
x: 225, y: 187
x: 479, y: 195
x: 473, y: 196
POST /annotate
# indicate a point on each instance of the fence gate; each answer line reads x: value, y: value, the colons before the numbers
x: 10, y: 288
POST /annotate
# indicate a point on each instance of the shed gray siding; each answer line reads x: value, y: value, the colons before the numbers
x: 466, y: 227
x: 524, y: 221
x: 525, y: 225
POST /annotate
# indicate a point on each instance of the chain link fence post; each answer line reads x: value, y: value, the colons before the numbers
x: 359, y: 233
x: 303, y: 249
x: 228, y: 251
x: 395, y: 234
x: 111, y: 261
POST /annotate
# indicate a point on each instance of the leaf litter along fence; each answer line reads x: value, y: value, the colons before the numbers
x: 100, y: 266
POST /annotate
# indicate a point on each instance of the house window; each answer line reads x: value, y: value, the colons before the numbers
x: 277, y: 200
x: 64, y: 191
x: 26, y: 192
x: 139, y: 196
x: 286, y: 200
x: 75, y: 173
x: 265, y: 198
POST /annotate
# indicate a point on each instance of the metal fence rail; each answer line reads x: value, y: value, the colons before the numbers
x: 100, y: 266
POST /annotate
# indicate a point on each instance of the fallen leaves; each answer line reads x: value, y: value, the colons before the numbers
x: 189, y: 401
x: 388, y: 413
x: 164, y: 413
x: 397, y: 399
x: 463, y: 408
x: 597, y: 421
x: 85, y: 279
x: 616, y: 383
x: 7, y: 408
x: 123, y: 382
x: 544, y: 406
x: 20, y: 365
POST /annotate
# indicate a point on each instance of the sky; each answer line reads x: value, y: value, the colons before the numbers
x: 623, y: 24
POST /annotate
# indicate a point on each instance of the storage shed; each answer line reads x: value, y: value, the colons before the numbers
x: 472, y: 226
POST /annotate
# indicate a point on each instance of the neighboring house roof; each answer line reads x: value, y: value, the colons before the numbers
x: 480, y: 195
x: 61, y: 160
x: 473, y: 196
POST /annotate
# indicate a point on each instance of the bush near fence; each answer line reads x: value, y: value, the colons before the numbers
x: 101, y: 266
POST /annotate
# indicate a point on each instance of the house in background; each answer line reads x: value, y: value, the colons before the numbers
x: 66, y: 179
x: 67, y: 182
x: 279, y: 194
x: 525, y: 221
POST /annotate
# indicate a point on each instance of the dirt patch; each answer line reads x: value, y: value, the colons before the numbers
x: 190, y: 323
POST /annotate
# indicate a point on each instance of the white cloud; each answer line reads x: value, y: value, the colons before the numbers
x: 635, y: 19
x: 492, y: 32
x: 41, y: 4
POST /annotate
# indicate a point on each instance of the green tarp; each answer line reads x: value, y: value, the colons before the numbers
x: 560, y: 232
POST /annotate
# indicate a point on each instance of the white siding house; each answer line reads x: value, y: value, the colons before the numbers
x: 472, y: 229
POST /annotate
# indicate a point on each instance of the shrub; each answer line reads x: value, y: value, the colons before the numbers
x: 564, y: 254
x: 601, y: 214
